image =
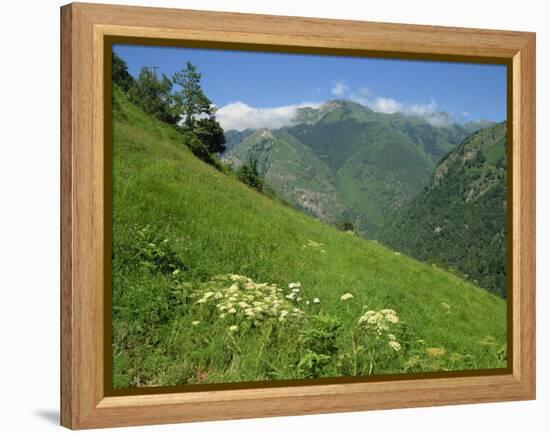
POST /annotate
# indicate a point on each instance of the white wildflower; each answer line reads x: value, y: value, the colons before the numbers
x: 240, y: 296
x: 392, y: 318
x: 195, y: 322
x: 233, y: 328
x: 379, y: 320
x: 316, y: 300
x: 395, y: 345
x: 346, y: 296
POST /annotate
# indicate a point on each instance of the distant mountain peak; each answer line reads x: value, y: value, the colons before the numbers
x: 264, y: 133
x: 344, y: 107
x: 342, y: 103
x: 475, y: 125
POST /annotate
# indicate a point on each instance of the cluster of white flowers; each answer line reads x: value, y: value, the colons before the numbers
x: 240, y: 297
x: 436, y: 352
x: 346, y: 297
x: 315, y: 245
x: 296, y: 297
x: 381, y: 322
x: 394, y: 345
x: 446, y: 307
x: 294, y: 294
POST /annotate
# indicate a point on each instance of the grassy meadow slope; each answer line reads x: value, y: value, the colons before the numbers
x: 178, y: 224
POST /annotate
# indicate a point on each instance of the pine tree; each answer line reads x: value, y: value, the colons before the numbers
x: 197, y: 113
x: 190, y: 100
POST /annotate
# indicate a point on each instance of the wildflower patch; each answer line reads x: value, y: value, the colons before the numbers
x: 237, y: 298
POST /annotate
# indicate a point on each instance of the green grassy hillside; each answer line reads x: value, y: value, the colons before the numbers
x: 459, y: 220
x: 293, y: 171
x: 186, y: 238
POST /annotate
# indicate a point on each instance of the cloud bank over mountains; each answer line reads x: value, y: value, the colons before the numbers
x: 239, y: 115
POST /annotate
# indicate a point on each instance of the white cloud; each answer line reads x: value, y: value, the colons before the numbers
x: 465, y: 114
x: 389, y: 105
x: 386, y: 105
x: 361, y: 96
x: 439, y: 119
x: 339, y: 88
x: 381, y: 104
x: 238, y: 115
x: 360, y: 99
x: 422, y: 109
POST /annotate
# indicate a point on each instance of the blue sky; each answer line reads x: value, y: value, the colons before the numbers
x: 258, y: 86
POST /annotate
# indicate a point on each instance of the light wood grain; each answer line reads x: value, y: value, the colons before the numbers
x: 84, y: 27
x: 524, y: 215
x: 67, y: 385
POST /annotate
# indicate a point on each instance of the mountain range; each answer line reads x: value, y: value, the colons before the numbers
x: 345, y: 163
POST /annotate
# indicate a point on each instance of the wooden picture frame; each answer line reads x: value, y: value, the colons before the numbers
x: 85, y: 28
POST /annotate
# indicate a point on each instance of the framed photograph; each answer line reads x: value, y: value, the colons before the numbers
x: 265, y: 215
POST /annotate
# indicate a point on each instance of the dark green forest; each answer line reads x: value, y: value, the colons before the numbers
x: 459, y: 219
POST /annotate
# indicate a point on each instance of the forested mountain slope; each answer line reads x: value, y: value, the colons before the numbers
x: 459, y: 220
